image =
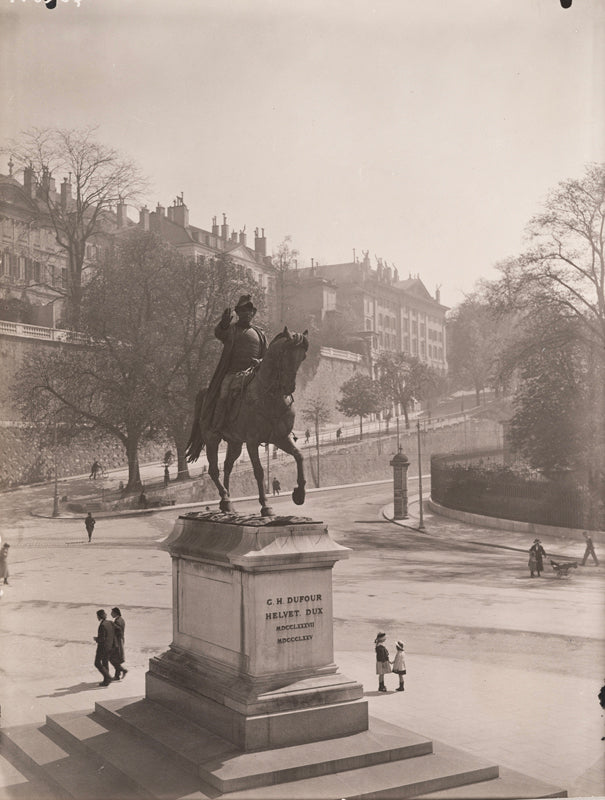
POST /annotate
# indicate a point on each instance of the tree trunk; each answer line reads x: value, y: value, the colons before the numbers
x: 360, y: 428
x: 406, y: 416
x: 181, y: 459
x: 478, y: 395
x: 134, y: 476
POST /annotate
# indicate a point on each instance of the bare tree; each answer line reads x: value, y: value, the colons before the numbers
x: 565, y: 266
x: 96, y: 178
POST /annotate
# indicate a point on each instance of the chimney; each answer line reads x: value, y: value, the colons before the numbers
x: 65, y: 194
x: 160, y: 210
x: 438, y: 294
x: 260, y: 243
x: 180, y: 212
x: 122, y: 215
x: 225, y: 228
x: 28, y: 181
x: 242, y: 237
x: 215, y: 230
x: 144, y: 218
x: 170, y: 213
x: 234, y: 237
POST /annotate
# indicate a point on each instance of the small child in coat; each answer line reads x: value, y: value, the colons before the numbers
x: 383, y: 665
x: 399, y: 665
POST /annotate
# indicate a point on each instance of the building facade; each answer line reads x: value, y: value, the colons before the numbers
x: 393, y: 315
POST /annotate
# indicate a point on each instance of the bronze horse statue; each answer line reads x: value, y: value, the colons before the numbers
x: 262, y: 413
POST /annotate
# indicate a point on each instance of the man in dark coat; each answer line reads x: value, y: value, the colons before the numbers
x: 589, y: 550
x: 244, y: 346
x: 90, y: 523
x: 105, y: 642
x: 116, y: 656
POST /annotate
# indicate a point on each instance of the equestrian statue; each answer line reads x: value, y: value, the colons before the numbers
x: 249, y: 400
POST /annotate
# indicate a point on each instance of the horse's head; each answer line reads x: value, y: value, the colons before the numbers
x: 284, y: 356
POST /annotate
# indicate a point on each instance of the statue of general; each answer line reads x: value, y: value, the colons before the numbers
x: 244, y: 346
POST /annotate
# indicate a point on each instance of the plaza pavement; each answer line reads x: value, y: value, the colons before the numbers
x: 473, y: 681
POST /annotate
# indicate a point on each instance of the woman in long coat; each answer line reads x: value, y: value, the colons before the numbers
x: 536, y: 552
x: 116, y: 656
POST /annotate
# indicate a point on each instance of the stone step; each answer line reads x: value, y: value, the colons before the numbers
x: 228, y: 769
x: 17, y: 782
x: 510, y: 785
x: 446, y: 767
x: 63, y: 774
x: 133, y: 765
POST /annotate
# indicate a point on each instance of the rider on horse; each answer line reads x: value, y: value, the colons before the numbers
x: 244, y: 346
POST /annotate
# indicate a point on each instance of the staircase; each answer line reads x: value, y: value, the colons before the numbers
x: 138, y: 749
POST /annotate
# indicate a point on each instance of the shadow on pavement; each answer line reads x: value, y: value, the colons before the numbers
x: 65, y: 690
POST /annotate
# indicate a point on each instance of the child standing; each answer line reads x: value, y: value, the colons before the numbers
x: 383, y: 665
x: 399, y: 665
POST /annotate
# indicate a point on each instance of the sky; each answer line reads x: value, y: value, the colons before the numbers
x: 427, y: 133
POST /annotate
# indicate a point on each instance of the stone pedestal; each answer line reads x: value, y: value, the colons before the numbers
x: 252, y: 653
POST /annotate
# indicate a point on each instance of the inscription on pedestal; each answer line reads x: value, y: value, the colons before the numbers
x: 297, y: 610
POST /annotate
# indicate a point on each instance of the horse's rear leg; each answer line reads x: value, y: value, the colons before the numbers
x: 287, y: 445
x: 213, y: 472
x: 259, y: 474
x: 234, y: 450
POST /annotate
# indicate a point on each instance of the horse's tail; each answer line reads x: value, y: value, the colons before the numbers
x: 195, y: 445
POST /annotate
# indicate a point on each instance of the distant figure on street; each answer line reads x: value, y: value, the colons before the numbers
x: 399, y: 664
x: 94, y: 470
x: 104, y: 639
x: 4, y: 562
x: 143, y: 499
x: 383, y: 665
x: 589, y: 550
x: 536, y: 553
x: 116, y: 656
x: 90, y: 523
x: 307, y: 436
x: 276, y: 486
x: 338, y: 434
x: 166, y: 476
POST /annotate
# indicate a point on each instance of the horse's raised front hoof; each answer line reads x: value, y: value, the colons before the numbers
x: 298, y: 495
x: 225, y: 506
x: 266, y: 511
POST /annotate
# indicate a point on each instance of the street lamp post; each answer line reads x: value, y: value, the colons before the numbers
x: 421, y: 523
x: 56, y: 490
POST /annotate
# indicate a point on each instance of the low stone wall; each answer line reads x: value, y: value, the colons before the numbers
x: 22, y: 461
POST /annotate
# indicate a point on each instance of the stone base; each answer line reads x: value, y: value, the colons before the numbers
x: 256, y: 717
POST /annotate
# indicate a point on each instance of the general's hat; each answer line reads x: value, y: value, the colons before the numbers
x: 244, y: 302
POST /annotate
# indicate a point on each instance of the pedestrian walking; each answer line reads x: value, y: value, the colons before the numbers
x: 105, y: 640
x: 536, y: 554
x: 276, y: 486
x: 589, y: 550
x: 116, y: 656
x: 383, y: 665
x: 399, y: 664
x: 90, y: 523
x: 166, y: 476
x: 338, y: 434
x: 307, y: 436
x: 94, y: 469
x: 4, y: 575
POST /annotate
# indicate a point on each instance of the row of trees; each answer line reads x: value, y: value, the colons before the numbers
x: 538, y: 332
